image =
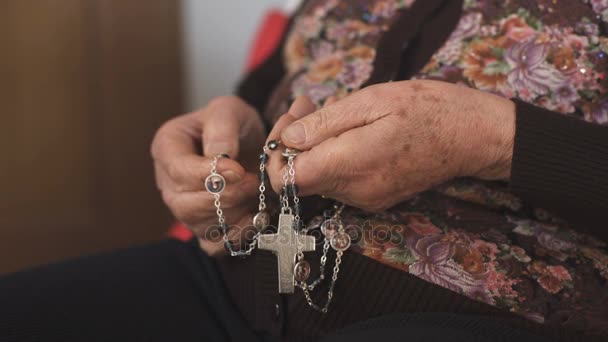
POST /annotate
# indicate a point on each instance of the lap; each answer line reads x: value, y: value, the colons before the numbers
x: 160, y: 292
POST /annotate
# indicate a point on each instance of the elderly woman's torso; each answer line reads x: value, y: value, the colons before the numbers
x: 473, y: 237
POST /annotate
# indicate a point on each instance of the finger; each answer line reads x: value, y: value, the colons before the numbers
x: 209, y: 228
x: 213, y: 243
x: 196, y: 207
x: 301, y: 107
x: 337, y: 168
x: 223, y: 120
x: 327, y: 122
x: 239, y: 231
x: 177, y: 137
x: 188, y: 173
x: 314, y: 170
x: 327, y: 168
x: 221, y: 133
x: 162, y: 179
x: 329, y: 101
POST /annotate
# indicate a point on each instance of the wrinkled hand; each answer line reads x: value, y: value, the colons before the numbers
x: 226, y: 125
x: 385, y: 143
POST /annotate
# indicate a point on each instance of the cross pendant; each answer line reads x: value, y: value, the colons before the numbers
x: 285, y: 244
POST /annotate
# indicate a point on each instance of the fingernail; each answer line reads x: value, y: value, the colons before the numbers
x: 232, y: 177
x: 295, y: 133
x: 218, y: 148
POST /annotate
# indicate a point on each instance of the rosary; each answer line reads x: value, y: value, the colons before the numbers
x: 291, y: 240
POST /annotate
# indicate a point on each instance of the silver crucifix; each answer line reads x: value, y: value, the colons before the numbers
x: 286, y: 244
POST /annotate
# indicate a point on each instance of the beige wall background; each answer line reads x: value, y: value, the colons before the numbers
x: 83, y: 87
x: 217, y: 35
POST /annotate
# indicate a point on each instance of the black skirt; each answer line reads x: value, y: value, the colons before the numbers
x: 171, y: 291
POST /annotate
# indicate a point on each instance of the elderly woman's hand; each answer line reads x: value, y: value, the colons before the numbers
x: 226, y: 125
x: 385, y: 143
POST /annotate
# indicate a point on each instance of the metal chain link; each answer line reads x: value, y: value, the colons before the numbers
x: 285, y: 195
x: 218, y: 204
x: 262, y: 188
x: 330, y: 293
x: 222, y: 220
x: 288, y: 180
x: 292, y: 175
x: 306, y: 288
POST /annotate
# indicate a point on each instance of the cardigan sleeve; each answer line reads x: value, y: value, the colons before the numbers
x: 560, y: 163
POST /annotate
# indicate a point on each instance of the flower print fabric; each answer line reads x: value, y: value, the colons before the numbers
x: 472, y: 237
x: 561, y: 65
x: 332, y: 46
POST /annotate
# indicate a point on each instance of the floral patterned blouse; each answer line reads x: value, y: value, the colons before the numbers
x: 473, y: 237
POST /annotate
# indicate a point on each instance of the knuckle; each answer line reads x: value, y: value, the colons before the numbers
x: 174, y: 169
x: 318, y: 122
x: 183, y: 172
x: 337, y: 185
x: 377, y: 94
x: 159, y: 139
x: 170, y: 201
x: 373, y: 91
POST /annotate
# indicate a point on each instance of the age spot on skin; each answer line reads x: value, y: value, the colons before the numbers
x: 417, y: 87
x: 394, y: 164
x: 431, y: 98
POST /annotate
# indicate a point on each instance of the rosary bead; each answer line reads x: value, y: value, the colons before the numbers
x: 224, y: 228
x: 263, y: 158
x: 290, y: 190
x: 229, y: 246
x: 294, y: 189
x: 262, y: 177
x: 241, y: 254
x: 273, y: 145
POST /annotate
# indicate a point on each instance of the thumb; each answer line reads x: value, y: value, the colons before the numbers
x: 222, y: 120
x: 330, y: 121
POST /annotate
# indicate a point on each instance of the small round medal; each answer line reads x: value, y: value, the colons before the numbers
x: 261, y: 220
x: 340, y: 241
x: 301, y: 271
x: 215, y: 183
x: 329, y: 228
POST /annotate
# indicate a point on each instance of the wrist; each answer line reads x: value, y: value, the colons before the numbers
x: 490, y: 153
